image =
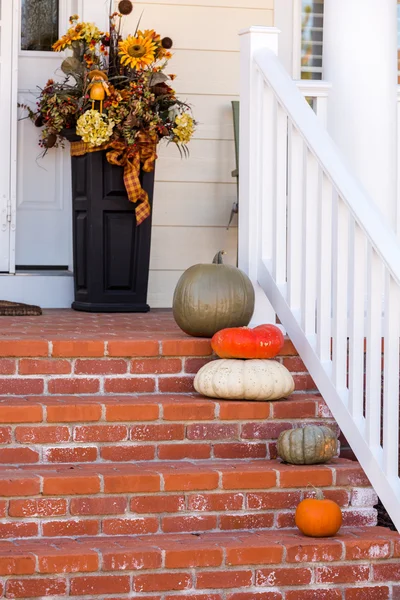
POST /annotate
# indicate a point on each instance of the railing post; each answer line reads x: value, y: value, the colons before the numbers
x: 252, y: 39
x: 398, y: 167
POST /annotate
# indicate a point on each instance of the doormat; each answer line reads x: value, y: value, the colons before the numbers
x: 17, y: 309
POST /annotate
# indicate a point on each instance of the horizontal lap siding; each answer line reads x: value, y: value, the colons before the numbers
x: 247, y: 4
x: 193, y: 197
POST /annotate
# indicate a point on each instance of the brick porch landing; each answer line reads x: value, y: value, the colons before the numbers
x: 65, y: 325
x: 70, y: 324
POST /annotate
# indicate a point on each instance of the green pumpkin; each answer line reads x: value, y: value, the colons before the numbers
x: 211, y: 297
x: 309, y: 445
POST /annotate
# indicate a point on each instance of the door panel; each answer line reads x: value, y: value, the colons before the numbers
x: 43, y: 199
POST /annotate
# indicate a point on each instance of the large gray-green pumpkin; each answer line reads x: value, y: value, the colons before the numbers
x: 211, y: 297
x: 309, y: 445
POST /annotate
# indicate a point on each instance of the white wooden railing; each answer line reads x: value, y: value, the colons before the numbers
x: 317, y: 247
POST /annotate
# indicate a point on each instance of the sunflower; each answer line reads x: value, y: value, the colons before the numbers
x: 66, y: 40
x: 137, y: 52
x: 74, y: 34
x: 62, y: 43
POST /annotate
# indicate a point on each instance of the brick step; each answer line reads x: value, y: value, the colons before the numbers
x: 358, y: 564
x: 155, y: 427
x: 110, y: 360
x: 182, y: 496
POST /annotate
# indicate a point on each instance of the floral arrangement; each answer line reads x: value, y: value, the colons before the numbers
x: 115, y: 93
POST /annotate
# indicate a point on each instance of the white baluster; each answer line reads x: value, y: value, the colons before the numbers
x: 295, y: 217
x: 374, y: 348
x: 309, y: 258
x: 339, y: 293
x: 321, y: 109
x: 280, y: 203
x: 391, y: 379
x: 267, y: 173
x: 324, y: 277
x: 357, y: 255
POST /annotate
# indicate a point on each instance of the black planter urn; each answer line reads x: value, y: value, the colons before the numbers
x: 111, y: 252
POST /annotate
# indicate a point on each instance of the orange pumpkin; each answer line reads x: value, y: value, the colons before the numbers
x: 318, y: 517
x: 264, y: 341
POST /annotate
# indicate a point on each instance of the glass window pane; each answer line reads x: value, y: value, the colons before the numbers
x: 312, y: 37
x: 39, y: 24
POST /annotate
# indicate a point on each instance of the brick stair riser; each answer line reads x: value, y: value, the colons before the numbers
x: 240, y: 568
x: 79, y: 430
x: 170, y: 513
x: 125, y: 502
x: 97, y: 367
x: 349, y: 581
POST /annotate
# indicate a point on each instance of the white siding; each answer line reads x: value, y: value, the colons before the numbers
x: 193, y: 197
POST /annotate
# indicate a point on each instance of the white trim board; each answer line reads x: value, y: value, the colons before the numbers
x: 47, y: 291
x: 57, y: 290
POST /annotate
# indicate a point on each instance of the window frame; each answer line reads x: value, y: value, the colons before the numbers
x: 66, y: 8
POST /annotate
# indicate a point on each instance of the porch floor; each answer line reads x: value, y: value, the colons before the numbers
x: 143, y: 334
x: 66, y: 323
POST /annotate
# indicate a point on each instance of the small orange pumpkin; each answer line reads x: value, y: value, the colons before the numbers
x: 318, y: 517
x: 264, y: 341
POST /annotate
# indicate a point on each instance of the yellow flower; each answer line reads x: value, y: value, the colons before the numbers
x: 94, y: 128
x: 74, y: 34
x: 152, y: 35
x: 137, y: 52
x: 80, y: 31
x: 62, y: 43
x: 90, y: 32
x: 184, y: 128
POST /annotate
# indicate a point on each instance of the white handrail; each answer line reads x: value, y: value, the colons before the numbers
x: 315, y: 244
x: 329, y: 157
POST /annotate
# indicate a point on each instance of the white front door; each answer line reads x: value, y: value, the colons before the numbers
x: 43, y: 183
x: 44, y: 215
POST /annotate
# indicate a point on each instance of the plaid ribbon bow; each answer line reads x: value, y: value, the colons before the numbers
x: 130, y: 158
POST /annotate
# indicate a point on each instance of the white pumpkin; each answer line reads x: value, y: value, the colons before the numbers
x: 244, y: 380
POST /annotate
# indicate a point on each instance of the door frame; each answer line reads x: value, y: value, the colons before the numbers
x: 8, y: 99
x: 287, y: 17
